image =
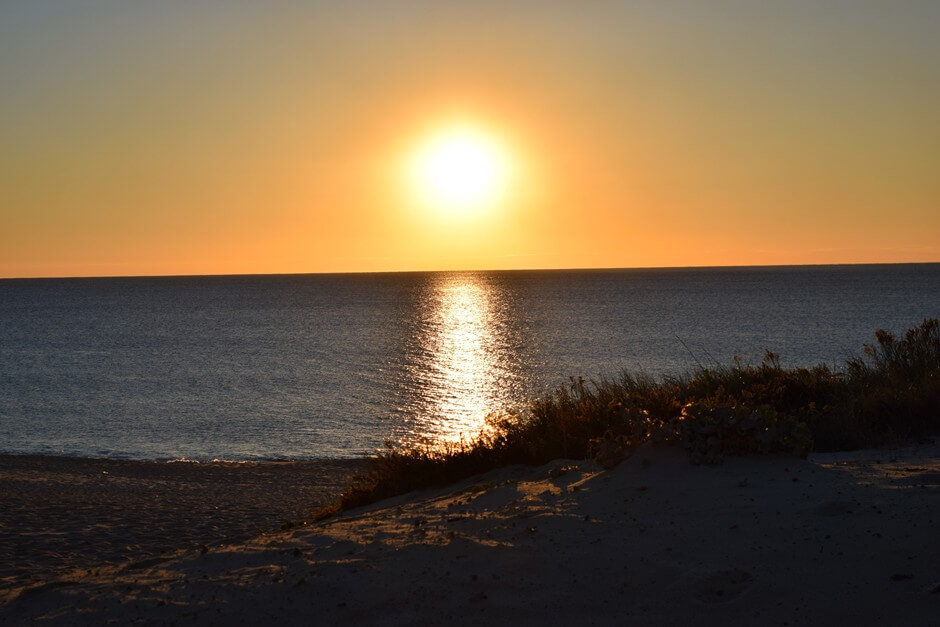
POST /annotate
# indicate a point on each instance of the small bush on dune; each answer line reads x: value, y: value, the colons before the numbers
x: 889, y: 393
x: 914, y: 357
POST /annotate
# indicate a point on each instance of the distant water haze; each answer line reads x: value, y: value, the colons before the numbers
x: 332, y: 366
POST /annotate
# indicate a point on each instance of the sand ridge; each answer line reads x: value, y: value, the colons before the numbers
x: 654, y: 541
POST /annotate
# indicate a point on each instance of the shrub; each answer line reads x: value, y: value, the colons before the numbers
x: 890, y: 392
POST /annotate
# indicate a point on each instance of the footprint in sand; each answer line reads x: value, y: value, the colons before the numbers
x: 835, y: 508
x: 723, y: 585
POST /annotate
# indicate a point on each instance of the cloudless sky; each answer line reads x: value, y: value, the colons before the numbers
x: 255, y: 137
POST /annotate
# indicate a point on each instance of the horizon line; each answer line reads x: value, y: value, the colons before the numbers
x: 469, y: 270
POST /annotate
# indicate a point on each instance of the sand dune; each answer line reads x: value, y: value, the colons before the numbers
x: 837, y: 539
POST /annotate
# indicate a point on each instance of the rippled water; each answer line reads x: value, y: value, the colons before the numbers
x: 314, y: 366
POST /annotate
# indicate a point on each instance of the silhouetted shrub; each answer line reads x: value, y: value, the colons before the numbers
x: 890, y: 392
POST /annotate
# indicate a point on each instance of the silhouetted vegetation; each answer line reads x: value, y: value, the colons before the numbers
x: 889, y: 393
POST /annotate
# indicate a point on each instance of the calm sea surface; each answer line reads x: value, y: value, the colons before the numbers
x: 331, y: 366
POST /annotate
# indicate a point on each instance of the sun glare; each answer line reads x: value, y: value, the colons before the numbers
x: 460, y: 169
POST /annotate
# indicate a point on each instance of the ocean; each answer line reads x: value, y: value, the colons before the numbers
x: 334, y: 366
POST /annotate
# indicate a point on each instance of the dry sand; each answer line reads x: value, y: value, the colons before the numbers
x: 60, y: 513
x: 837, y: 539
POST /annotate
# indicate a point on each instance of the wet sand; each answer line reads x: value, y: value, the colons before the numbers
x: 58, y: 513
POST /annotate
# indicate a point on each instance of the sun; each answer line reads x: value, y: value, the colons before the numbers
x: 460, y: 168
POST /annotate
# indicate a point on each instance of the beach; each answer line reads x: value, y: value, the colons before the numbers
x: 840, y: 538
x: 60, y: 513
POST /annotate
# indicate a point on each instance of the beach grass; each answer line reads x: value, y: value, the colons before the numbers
x: 888, y: 393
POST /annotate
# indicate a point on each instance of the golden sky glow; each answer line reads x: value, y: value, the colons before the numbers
x: 221, y: 137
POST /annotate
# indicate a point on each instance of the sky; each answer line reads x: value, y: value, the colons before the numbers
x: 166, y: 138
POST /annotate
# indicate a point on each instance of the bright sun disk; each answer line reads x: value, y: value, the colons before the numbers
x: 460, y: 169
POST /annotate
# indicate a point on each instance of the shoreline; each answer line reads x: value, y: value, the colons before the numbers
x: 41, y: 460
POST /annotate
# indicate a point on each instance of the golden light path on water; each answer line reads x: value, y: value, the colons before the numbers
x: 462, y: 359
x: 470, y: 366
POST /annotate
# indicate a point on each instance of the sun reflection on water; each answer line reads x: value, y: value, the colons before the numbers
x: 467, y: 367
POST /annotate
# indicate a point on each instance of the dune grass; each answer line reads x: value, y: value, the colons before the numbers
x: 891, y: 392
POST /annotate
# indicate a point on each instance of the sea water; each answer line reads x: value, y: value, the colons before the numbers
x: 333, y: 366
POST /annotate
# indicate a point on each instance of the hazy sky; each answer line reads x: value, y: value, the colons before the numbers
x: 255, y: 137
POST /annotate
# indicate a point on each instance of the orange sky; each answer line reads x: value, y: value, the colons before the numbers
x: 270, y: 137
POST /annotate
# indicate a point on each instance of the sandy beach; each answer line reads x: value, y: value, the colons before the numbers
x: 59, y: 513
x: 837, y: 539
